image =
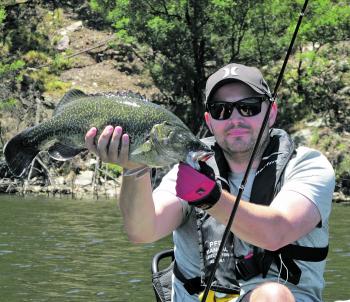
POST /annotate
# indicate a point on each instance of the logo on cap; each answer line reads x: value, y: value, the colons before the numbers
x: 230, y: 71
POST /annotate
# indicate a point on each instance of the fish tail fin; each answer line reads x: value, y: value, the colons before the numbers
x: 19, y: 155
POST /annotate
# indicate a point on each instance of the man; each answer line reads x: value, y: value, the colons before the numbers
x: 279, y: 237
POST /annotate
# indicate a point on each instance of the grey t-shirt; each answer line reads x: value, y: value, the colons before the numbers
x: 308, y: 173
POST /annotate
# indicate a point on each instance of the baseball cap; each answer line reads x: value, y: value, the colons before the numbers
x: 237, y: 72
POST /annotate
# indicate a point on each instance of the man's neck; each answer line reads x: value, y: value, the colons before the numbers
x: 239, y: 164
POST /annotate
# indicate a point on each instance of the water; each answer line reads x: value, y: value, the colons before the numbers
x: 337, y: 273
x: 71, y: 250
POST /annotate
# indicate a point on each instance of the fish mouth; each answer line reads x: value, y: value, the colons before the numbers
x: 193, y: 157
x: 204, y: 155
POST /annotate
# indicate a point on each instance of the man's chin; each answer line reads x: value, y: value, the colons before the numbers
x: 237, y: 148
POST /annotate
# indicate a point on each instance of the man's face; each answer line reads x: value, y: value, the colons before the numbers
x: 238, y: 134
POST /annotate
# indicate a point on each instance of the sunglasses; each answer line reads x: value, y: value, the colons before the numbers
x: 246, y: 107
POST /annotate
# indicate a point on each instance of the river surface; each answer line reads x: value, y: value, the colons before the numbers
x: 61, y: 250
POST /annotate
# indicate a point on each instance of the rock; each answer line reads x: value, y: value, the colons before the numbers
x: 302, y: 137
x: 345, y: 90
x: 316, y: 123
x: 60, y: 180
x: 111, y: 193
x: 71, y: 28
x: 63, y: 44
x: 74, y: 26
x: 84, y: 179
x: 35, y: 189
x: 92, y: 162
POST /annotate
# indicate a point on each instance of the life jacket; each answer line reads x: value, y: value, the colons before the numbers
x: 267, y: 183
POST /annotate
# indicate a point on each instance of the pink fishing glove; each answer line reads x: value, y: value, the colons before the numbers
x: 198, y: 188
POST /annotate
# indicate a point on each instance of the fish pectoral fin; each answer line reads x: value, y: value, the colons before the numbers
x: 63, y: 152
x: 146, y: 147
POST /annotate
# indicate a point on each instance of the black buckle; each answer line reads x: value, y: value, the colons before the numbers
x: 247, y: 268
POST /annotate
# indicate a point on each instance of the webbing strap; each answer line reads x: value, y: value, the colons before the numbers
x: 304, y: 253
x: 193, y: 285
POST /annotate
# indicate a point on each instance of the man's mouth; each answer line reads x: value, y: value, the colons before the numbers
x: 238, y: 132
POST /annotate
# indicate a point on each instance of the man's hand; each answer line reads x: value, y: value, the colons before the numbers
x: 112, y: 146
x: 198, y: 188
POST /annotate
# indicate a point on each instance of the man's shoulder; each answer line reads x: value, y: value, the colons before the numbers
x: 307, y: 153
x: 306, y: 158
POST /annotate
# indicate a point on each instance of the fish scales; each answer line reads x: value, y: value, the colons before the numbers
x: 157, y: 136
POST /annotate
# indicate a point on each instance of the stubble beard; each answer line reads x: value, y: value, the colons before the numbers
x: 242, y: 150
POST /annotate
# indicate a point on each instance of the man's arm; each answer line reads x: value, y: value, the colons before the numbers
x: 303, y: 202
x: 289, y: 217
x: 145, y: 219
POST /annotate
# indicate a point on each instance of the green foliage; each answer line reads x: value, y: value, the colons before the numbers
x: 2, y: 15
x: 326, y: 21
x: 316, y: 84
x: 55, y: 18
x: 60, y: 63
x: 344, y: 165
x: 50, y: 24
x: 11, y: 67
x: 185, y: 35
x: 257, y: 34
x: 114, y: 169
x: 335, y: 146
x: 36, y: 58
x: 181, y: 42
x: 8, y: 105
x: 55, y: 86
x: 102, y: 6
x: 50, y: 81
x: 315, y: 137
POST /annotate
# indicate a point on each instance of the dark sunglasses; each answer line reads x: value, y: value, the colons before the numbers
x: 246, y: 107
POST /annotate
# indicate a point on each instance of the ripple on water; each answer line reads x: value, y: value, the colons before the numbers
x: 73, y: 291
x: 135, y: 280
x: 5, y: 252
x: 20, y: 265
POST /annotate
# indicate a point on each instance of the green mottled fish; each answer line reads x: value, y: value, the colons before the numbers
x: 157, y: 137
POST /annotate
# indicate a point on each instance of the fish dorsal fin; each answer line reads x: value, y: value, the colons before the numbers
x: 63, y: 152
x: 70, y: 96
x: 126, y: 94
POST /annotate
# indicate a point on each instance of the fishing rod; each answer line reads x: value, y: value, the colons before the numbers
x: 255, y: 149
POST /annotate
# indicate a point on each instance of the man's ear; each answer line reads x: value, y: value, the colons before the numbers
x: 273, y: 114
x: 208, y: 121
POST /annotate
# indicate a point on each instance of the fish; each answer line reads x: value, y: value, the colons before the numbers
x: 158, y: 138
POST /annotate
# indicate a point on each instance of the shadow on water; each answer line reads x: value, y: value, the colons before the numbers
x: 71, y: 250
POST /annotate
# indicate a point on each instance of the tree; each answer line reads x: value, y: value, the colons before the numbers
x: 190, y: 39
x: 2, y: 18
x: 318, y: 76
x: 184, y: 37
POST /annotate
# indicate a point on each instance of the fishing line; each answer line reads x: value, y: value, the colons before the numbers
x: 256, y: 146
